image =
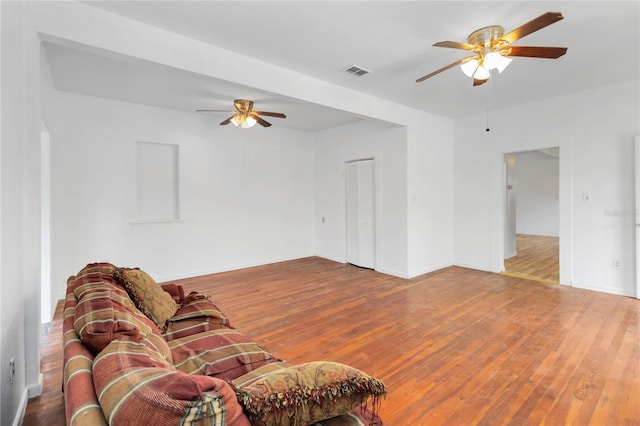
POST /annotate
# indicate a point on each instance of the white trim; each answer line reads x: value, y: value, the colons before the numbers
x: 637, y: 217
x: 429, y: 270
x: 35, y: 389
x: 331, y: 258
x: 392, y: 273
x: 476, y: 267
x: 22, y: 409
x: 227, y: 268
x: 603, y: 289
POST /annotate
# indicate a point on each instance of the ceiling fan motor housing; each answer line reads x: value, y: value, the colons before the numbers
x: 243, y: 105
x: 486, y: 36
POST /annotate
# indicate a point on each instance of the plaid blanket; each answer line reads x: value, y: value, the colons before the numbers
x: 120, y: 370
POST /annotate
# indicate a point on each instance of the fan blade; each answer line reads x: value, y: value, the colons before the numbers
x: 260, y: 121
x: 440, y: 70
x: 537, y: 52
x: 270, y: 114
x: 534, y: 25
x: 455, y: 45
x: 227, y: 121
x: 477, y: 82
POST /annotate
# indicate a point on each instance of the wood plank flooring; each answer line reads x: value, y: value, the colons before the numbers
x: 537, y: 259
x: 454, y: 347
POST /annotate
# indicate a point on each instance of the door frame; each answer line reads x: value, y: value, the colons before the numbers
x: 375, y: 211
x: 565, y: 173
x: 637, y: 215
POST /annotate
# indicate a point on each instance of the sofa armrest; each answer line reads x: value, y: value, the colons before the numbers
x: 176, y: 291
x: 81, y: 401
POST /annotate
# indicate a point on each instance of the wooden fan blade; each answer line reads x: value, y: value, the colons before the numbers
x: 270, y: 114
x: 440, y: 70
x: 455, y: 45
x: 260, y: 121
x: 477, y: 82
x: 227, y: 121
x: 537, y: 52
x: 534, y: 25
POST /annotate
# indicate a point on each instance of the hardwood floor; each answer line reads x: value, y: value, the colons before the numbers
x: 537, y: 259
x: 456, y: 346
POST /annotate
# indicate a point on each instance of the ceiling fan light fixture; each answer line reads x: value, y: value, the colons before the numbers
x: 243, y: 121
x: 493, y: 49
x: 469, y: 67
x: 249, y: 122
x: 503, y: 64
x: 482, y: 73
x: 492, y: 60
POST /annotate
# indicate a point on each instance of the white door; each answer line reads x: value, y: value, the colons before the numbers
x: 360, y: 213
x: 637, y: 216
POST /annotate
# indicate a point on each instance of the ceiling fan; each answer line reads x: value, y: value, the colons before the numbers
x: 245, y: 116
x: 492, y: 49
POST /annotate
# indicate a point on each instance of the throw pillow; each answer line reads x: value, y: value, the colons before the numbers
x: 224, y: 353
x: 103, y: 316
x: 306, y: 393
x: 147, y: 295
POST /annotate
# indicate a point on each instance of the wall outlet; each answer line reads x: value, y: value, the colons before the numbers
x: 586, y: 197
x: 12, y: 369
x: 616, y: 264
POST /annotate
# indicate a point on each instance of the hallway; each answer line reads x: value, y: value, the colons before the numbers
x: 537, y: 259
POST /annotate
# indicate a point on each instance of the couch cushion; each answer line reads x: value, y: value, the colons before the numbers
x: 224, y: 353
x: 196, y: 315
x: 134, y: 388
x: 147, y: 295
x: 306, y: 393
x: 102, y: 316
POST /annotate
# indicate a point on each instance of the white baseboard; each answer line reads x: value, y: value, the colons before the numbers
x: 392, y: 273
x: 428, y: 270
x: 35, y: 390
x: 22, y: 408
x: 226, y: 268
x: 470, y: 266
x: 331, y: 258
x: 604, y: 289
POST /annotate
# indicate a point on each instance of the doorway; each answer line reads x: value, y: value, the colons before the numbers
x: 532, y: 215
x: 360, y: 204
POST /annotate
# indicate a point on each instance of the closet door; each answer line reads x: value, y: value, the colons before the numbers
x: 360, y: 213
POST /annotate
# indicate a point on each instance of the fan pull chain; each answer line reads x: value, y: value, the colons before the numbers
x: 488, y: 92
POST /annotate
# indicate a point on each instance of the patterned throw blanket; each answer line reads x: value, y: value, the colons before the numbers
x: 136, y: 352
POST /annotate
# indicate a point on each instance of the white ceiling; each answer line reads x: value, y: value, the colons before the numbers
x: 393, y: 39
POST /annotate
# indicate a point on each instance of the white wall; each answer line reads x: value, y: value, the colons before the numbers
x: 365, y: 139
x: 427, y: 136
x: 594, y: 130
x: 247, y: 195
x: 20, y: 217
x: 537, y: 193
x: 429, y: 194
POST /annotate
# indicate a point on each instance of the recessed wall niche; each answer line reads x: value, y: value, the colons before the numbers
x: 157, y: 182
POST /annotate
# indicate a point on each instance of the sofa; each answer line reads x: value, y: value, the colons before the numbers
x: 137, y: 352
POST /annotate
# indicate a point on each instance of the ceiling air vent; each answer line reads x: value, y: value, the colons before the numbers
x: 357, y: 71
